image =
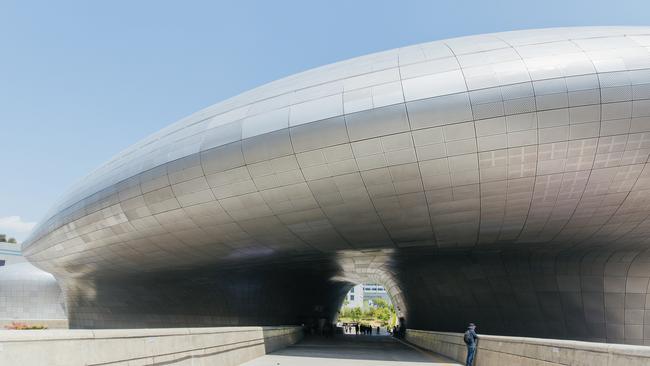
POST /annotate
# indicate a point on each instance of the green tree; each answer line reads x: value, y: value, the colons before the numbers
x: 369, y: 313
x: 3, y: 238
x: 380, y: 303
x: 393, y: 320
x: 346, y: 313
x: 383, y: 315
x: 11, y: 240
x: 356, y: 314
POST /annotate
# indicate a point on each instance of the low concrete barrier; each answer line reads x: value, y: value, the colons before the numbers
x: 133, y: 347
x: 501, y: 351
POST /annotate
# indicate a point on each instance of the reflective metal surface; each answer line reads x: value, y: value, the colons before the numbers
x: 528, y: 144
x: 29, y: 295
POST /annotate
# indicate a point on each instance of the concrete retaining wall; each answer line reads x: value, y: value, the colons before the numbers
x: 500, y: 351
x: 133, y: 347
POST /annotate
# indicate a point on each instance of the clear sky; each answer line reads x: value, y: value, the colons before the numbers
x: 82, y: 80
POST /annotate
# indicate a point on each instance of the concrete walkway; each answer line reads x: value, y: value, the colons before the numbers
x: 353, y: 350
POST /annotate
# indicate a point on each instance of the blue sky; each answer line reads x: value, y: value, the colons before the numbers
x: 82, y: 80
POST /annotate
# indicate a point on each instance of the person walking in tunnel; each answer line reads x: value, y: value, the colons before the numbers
x: 471, y: 340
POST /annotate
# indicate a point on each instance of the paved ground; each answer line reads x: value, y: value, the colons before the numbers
x: 353, y: 350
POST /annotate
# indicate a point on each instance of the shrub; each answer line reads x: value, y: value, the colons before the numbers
x: 24, y: 326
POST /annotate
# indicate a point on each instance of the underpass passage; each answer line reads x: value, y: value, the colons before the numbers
x: 353, y: 350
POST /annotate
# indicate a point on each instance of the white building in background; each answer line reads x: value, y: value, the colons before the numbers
x: 375, y: 291
x: 354, y: 297
x: 364, y: 295
x: 10, y: 254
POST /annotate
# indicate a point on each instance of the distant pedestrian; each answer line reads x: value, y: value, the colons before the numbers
x: 471, y: 339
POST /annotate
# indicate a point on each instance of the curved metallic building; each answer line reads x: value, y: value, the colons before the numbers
x: 497, y: 178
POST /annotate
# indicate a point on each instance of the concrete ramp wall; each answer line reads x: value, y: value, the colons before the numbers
x: 500, y: 351
x: 227, y: 346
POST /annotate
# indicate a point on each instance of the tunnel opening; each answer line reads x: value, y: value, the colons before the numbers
x: 371, y: 295
x: 367, y: 309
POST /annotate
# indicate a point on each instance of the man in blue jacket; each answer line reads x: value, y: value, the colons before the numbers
x: 471, y: 340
